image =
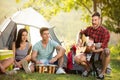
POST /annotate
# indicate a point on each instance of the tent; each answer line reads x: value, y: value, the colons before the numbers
x: 26, y: 17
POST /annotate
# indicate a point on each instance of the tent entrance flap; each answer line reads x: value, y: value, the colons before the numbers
x: 8, y: 35
x: 53, y: 36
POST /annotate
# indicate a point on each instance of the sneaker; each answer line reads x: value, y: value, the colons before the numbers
x: 25, y: 66
x: 85, y: 73
x: 98, y: 70
x: 108, y: 71
x: 101, y: 77
x: 16, y: 68
x: 12, y: 72
x: 60, y: 71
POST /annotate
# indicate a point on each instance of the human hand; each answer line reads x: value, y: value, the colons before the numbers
x: 79, y: 44
x: 53, y: 60
x: 93, y: 49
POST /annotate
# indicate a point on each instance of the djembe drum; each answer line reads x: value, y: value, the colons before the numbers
x: 49, y: 68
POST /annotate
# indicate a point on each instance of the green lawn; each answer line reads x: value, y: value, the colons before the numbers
x: 115, y: 75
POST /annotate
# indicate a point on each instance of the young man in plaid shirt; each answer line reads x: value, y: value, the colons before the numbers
x: 101, y: 36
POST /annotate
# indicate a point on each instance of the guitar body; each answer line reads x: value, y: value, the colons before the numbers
x: 88, y: 49
x: 85, y: 45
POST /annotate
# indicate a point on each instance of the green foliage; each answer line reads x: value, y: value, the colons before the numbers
x: 115, y: 50
x: 111, y: 9
x: 108, y: 8
x: 17, y: 1
x: 109, y: 25
x: 49, y: 8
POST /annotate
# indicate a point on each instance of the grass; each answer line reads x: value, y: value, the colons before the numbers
x: 115, y: 75
x: 37, y: 76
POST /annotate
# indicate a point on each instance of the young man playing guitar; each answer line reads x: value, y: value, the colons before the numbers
x: 100, y: 35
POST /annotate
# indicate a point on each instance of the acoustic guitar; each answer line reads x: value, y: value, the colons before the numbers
x: 85, y: 45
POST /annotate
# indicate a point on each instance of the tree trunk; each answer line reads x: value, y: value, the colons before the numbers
x: 94, y: 6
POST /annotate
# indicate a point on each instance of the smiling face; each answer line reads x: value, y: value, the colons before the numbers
x: 95, y: 21
x: 24, y: 36
x: 45, y: 35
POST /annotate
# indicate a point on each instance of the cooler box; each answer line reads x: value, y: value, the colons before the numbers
x: 5, y: 54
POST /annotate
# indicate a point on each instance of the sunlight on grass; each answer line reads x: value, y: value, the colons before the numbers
x: 21, y: 75
x: 37, y: 76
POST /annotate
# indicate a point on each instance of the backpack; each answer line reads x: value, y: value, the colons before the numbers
x: 72, y: 66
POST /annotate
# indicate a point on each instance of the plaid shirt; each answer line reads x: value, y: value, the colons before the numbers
x: 100, y: 35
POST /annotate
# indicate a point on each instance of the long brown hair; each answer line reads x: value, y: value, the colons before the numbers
x: 19, y: 37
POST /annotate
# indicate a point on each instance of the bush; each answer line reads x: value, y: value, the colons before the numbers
x: 115, y: 50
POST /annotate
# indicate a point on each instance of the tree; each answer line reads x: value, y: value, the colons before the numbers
x: 50, y: 8
x: 110, y: 9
